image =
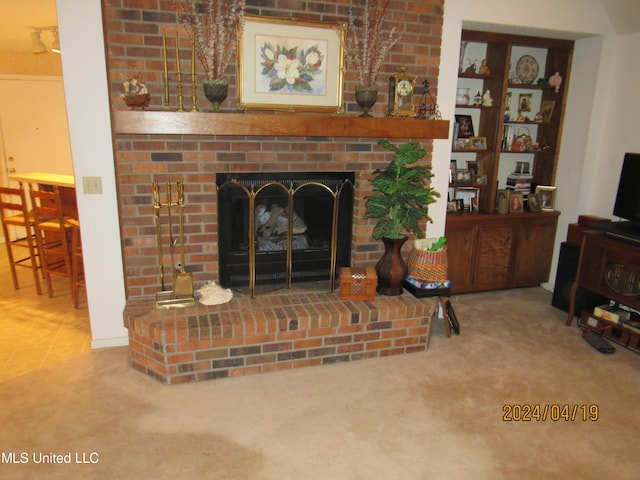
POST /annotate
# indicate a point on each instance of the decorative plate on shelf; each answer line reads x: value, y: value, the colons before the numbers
x: 527, y: 69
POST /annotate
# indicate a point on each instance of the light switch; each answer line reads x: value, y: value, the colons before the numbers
x: 92, y: 185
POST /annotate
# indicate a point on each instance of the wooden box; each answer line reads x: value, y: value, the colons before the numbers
x: 358, y: 283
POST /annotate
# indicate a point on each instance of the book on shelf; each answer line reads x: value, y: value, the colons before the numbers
x: 632, y: 324
x: 611, y: 313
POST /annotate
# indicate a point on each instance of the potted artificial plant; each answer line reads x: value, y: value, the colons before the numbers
x: 400, y: 200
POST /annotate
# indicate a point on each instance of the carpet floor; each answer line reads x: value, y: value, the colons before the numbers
x: 433, y: 415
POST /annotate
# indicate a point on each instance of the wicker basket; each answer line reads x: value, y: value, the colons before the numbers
x: 428, y: 266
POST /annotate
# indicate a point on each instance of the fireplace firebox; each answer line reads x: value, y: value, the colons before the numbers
x: 278, y: 228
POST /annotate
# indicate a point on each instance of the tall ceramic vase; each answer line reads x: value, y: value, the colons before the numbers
x: 365, y: 98
x: 216, y: 91
x: 391, y: 268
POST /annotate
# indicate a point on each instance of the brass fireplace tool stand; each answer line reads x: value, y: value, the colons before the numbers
x: 182, y: 293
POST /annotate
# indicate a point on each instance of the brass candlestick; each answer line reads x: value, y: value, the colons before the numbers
x: 166, y: 71
x: 194, y: 107
x: 180, y: 106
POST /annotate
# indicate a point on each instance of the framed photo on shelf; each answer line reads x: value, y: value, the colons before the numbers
x: 480, y: 179
x: 465, y: 126
x: 508, y: 102
x: 317, y: 48
x: 516, y: 204
x: 472, y: 167
x: 461, y: 144
x: 547, y: 197
x: 535, y: 204
x: 524, y: 102
x: 467, y: 194
x: 463, y: 177
x: 546, y: 110
x: 478, y: 143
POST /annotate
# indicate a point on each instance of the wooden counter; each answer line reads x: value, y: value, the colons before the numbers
x: 43, y: 178
x: 66, y: 184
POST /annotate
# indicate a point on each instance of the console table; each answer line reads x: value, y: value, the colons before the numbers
x: 609, y: 267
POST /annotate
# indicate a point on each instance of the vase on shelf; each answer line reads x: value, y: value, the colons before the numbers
x: 462, y: 96
x: 365, y: 98
x: 216, y: 91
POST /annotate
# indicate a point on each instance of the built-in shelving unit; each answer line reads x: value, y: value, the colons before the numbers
x: 280, y: 125
x: 509, y: 118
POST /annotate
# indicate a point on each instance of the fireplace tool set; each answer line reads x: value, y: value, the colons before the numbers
x: 182, y: 293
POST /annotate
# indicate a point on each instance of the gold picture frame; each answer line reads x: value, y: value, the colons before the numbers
x: 291, y: 65
x: 478, y: 143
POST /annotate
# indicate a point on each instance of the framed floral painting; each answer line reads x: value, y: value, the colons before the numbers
x: 291, y: 65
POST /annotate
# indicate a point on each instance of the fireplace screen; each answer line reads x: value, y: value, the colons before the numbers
x: 279, y: 228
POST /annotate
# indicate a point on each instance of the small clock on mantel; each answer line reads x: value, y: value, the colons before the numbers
x: 400, y: 102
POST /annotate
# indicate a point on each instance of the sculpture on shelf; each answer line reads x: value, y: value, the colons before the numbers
x: 555, y: 81
x: 484, y: 67
x: 487, y: 101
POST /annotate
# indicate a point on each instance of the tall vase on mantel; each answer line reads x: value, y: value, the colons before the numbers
x: 391, y: 268
x: 216, y: 91
x: 365, y: 98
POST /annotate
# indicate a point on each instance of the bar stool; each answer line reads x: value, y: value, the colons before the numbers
x: 77, y: 265
x: 53, y: 232
x: 15, y: 213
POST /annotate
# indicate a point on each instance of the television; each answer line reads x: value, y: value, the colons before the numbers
x: 627, y: 205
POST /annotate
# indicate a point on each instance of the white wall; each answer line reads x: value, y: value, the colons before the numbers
x: 85, y: 79
x: 602, y: 101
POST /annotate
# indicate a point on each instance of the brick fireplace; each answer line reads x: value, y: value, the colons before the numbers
x: 167, y: 152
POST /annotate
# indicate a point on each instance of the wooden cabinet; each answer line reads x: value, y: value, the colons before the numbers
x: 535, y: 249
x: 515, y: 105
x: 489, y: 252
x: 608, y: 267
x: 461, y: 245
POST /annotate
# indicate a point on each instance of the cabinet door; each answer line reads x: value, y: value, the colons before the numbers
x: 534, y: 252
x: 461, y: 241
x: 495, y: 244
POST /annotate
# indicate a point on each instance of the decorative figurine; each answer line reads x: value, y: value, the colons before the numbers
x: 487, y: 101
x: 472, y: 66
x: 477, y: 99
x: 484, y: 67
x: 555, y: 81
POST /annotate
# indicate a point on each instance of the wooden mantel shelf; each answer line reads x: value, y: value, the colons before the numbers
x: 281, y: 125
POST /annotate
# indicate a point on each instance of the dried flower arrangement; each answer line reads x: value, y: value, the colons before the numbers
x: 367, y: 42
x: 213, y: 29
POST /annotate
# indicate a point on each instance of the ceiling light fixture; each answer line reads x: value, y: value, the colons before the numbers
x: 36, y: 42
x: 36, y: 39
x: 55, y: 46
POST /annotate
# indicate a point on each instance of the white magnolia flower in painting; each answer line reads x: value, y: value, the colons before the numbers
x: 313, y: 58
x: 268, y: 53
x: 287, y: 68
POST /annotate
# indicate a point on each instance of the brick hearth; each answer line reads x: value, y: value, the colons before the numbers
x: 285, y: 329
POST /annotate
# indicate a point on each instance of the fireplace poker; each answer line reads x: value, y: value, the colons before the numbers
x: 156, y: 208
